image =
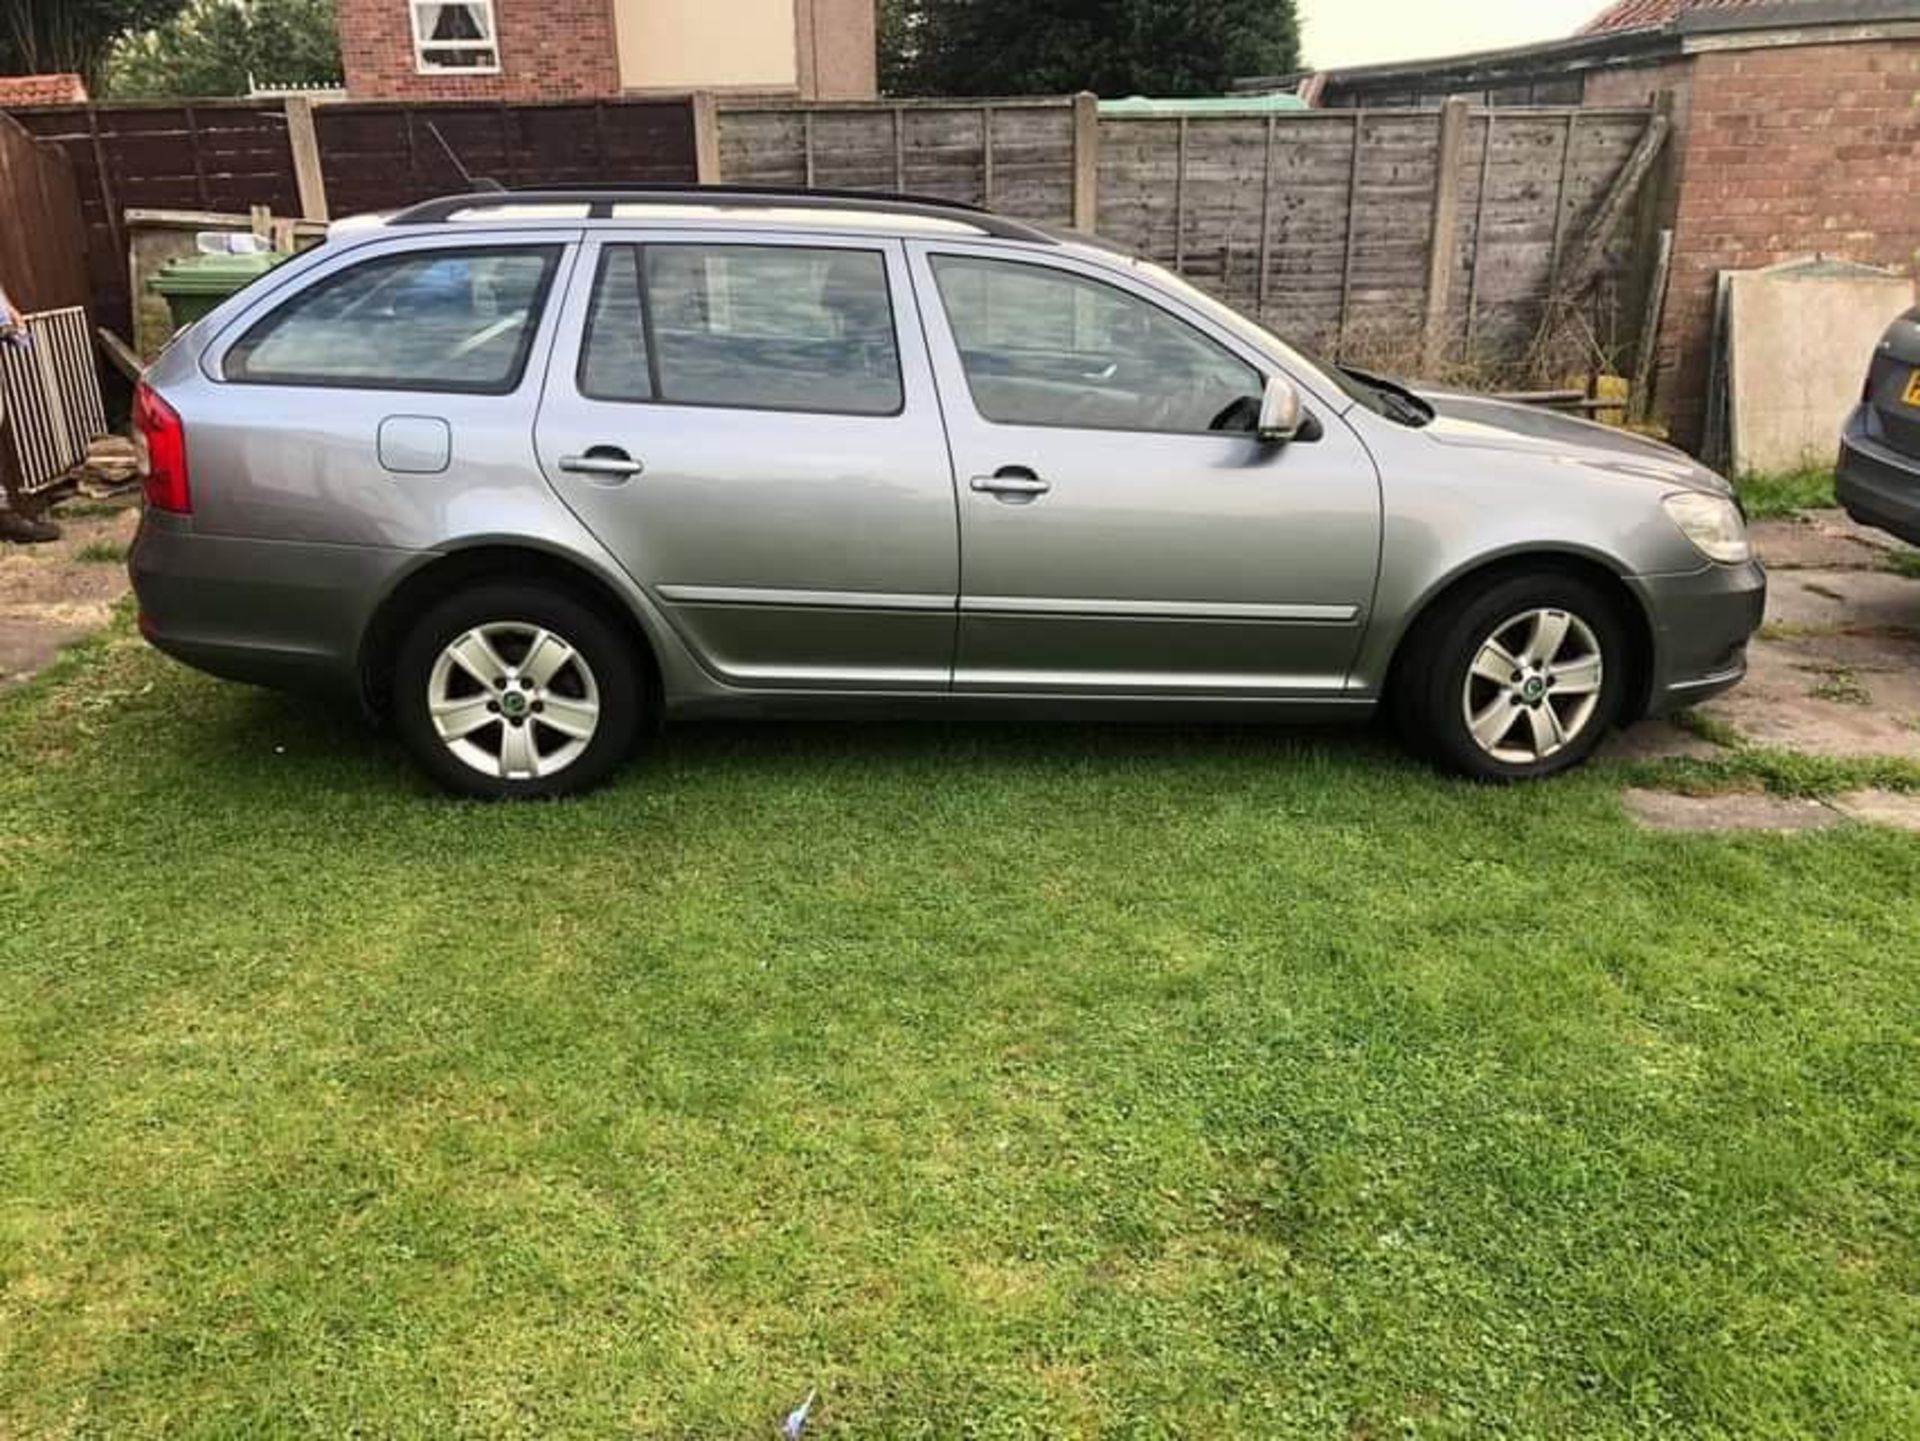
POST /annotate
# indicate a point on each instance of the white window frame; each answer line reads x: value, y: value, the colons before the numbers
x: 421, y: 43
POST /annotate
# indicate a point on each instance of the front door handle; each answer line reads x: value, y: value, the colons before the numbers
x: 603, y: 462
x: 1011, y: 480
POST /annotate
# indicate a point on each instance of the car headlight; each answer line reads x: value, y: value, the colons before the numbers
x: 1714, y: 525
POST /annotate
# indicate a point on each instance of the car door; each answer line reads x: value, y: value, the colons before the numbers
x: 1111, y: 541
x: 749, y: 423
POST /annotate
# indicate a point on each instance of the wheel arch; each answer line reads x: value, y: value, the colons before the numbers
x: 1488, y: 570
x: 453, y: 570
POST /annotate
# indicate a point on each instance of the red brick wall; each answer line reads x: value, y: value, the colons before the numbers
x: 1787, y: 152
x: 549, y: 50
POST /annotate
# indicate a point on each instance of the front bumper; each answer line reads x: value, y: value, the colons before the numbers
x: 1701, y: 623
x: 1877, y: 484
x: 274, y: 613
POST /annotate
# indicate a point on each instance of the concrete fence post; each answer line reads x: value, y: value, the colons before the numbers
x: 1086, y: 162
x: 1442, y: 252
x: 706, y: 138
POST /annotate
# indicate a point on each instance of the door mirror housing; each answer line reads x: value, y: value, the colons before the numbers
x: 1280, y: 413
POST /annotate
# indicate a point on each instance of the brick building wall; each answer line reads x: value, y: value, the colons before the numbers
x: 549, y: 50
x: 1782, y: 152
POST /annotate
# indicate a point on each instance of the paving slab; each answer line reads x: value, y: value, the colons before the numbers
x: 1836, y: 670
x: 1731, y: 811
x: 1658, y: 740
x: 1822, y: 539
x: 1900, y: 809
x: 1837, y: 599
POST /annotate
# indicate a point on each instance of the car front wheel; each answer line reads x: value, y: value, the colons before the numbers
x: 1519, y: 680
x: 516, y: 691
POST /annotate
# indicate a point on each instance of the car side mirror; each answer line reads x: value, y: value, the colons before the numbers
x: 1280, y: 414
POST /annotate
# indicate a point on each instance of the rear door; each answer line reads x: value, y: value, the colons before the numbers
x: 749, y: 423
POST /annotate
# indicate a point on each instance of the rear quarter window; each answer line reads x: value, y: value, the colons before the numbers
x: 449, y: 319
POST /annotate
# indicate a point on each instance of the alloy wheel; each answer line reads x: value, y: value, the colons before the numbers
x: 513, y: 700
x: 1534, y: 686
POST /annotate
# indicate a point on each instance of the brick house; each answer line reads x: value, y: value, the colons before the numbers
x: 1796, y: 132
x: 581, y: 49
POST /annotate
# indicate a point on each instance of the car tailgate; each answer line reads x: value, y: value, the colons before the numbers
x: 1893, y: 384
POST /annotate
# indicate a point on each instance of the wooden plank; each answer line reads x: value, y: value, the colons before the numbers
x: 1560, y: 193
x: 1479, y: 236
x: 308, y: 176
x: 1648, y: 351
x: 193, y: 149
x: 1353, y: 222
x: 102, y: 174
x: 1446, y: 222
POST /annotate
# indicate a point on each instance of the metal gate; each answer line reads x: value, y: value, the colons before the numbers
x: 50, y: 397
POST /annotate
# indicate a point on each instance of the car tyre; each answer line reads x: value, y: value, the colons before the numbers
x: 1515, y: 680
x: 517, y: 691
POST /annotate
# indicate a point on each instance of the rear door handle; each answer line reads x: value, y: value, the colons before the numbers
x: 605, y: 462
x: 1011, y: 480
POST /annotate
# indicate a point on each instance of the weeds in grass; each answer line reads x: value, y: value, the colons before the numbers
x: 1904, y: 562
x: 1839, y: 684
x: 1775, y: 496
x: 91, y: 509
x: 1779, y: 772
x: 1708, y: 728
x: 101, y: 552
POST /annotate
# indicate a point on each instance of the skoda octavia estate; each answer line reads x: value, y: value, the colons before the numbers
x: 526, y: 472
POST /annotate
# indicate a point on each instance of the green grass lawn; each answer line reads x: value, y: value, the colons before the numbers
x: 1775, y: 496
x: 999, y: 1083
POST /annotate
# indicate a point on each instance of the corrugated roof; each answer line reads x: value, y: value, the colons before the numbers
x: 1633, y: 14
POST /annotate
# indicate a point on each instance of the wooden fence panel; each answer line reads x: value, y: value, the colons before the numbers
x: 211, y: 155
x: 378, y: 156
x: 1318, y: 222
x: 43, y: 242
x: 1014, y: 155
x: 229, y: 156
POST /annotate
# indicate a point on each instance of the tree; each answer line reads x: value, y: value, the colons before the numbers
x: 222, y: 47
x: 1112, y: 47
x: 59, y: 37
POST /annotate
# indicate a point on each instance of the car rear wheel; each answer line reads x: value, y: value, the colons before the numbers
x: 511, y: 691
x: 1518, y: 680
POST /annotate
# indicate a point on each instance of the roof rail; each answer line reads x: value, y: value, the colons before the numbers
x: 600, y: 200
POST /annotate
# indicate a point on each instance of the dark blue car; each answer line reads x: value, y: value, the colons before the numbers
x: 1879, y: 474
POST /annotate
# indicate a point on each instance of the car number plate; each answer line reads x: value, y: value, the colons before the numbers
x: 1912, y: 397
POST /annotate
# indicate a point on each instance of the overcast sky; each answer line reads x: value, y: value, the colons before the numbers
x: 1362, y: 32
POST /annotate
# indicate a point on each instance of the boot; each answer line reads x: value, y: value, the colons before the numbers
x: 26, y: 529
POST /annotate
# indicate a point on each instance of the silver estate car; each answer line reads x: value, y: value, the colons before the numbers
x: 526, y: 472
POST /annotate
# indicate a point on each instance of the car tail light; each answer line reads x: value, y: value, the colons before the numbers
x: 159, y: 425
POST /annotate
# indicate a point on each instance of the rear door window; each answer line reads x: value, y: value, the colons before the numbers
x: 449, y: 320
x: 752, y: 327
